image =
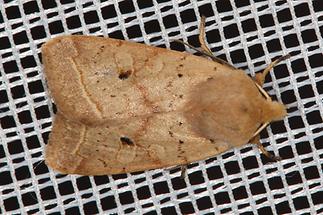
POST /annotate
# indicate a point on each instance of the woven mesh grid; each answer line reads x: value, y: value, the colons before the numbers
x: 248, y: 34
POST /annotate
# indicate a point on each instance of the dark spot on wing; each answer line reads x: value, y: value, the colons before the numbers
x: 124, y: 75
x: 180, y: 66
x: 181, y: 141
x: 127, y: 141
x: 180, y: 75
x: 103, y: 162
x: 101, y: 50
x: 243, y: 108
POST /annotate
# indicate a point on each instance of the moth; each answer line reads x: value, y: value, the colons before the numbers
x: 126, y: 107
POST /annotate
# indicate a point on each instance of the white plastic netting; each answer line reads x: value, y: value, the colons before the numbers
x: 249, y: 34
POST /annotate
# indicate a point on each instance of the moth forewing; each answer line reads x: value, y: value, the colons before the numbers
x: 134, y: 79
x: 157, y: 141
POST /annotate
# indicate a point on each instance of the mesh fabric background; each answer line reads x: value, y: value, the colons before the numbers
x: 248, y: 34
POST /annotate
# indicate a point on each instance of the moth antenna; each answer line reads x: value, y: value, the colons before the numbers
x: 264, y: 93
x: 260, y: 77
x: 262, y: 127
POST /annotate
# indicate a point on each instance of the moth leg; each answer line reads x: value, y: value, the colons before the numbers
x: 256, y: 140
x: 183, y: 171
x: 260, y: 77
x: 202, y: 36
x: 205, y: 47
x: 196, y: 49
x: 266, y: 153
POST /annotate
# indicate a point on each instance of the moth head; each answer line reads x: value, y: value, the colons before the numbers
x: 270, y: 111
x: 273, y: 111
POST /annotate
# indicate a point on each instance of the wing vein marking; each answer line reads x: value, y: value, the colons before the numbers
x: 81, y: 141
x: 84, y: 88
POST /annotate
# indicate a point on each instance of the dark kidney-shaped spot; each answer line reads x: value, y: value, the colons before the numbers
x: 127, y: 141
x: 124, y: 75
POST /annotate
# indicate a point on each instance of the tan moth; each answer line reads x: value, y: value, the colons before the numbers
x: 125, y: 107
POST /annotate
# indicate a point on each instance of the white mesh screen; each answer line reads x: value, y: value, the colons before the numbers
x: 248, y: 34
